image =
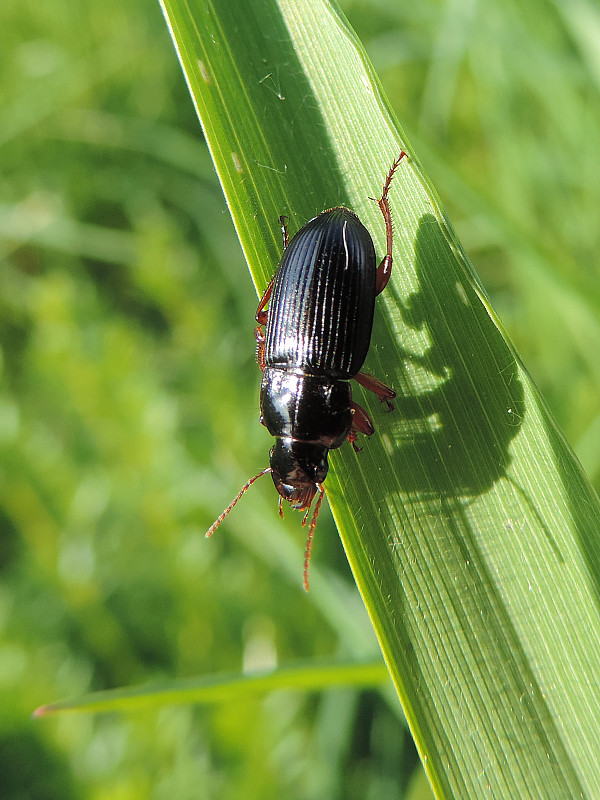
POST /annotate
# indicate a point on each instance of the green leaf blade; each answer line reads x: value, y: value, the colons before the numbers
x: 224, y: 688
x: 469, y: 526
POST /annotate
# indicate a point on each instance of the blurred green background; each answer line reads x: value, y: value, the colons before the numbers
x: 129, y: 404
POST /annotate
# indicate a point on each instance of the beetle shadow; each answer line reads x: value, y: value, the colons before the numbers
x: 463, y: 402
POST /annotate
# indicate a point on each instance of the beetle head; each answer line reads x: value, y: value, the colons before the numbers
x: 298, y: 468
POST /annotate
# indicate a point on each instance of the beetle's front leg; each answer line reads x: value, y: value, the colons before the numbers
x: 361, y: 423
x: 383, y: 392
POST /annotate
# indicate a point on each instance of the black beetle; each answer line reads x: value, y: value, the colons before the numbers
x: 318, y: 330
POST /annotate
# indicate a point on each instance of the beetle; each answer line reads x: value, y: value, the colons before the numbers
x: 311, y: 341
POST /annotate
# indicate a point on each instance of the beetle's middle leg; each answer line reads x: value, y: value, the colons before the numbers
x: 383, y: 392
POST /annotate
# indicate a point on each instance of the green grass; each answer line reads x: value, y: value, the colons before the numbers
x: 128, y: 408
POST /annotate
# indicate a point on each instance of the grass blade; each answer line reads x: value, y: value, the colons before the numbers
x: 220, y: 688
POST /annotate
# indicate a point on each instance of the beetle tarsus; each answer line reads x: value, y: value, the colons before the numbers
x: 384, y: 270
x: 352, y: 437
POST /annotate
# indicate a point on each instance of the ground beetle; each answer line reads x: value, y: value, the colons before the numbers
x: 318, y: 330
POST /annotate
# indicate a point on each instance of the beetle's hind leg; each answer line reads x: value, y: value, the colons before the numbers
x: 383, y: 392
x: 261, y: 314
x: 385, y: 268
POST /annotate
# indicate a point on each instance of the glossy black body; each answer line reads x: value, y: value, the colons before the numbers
x: 323, y: 298
x: 311, y: 340
x: 317, y: 336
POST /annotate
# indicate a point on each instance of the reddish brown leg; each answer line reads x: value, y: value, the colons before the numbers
x: 261, y: 314
x: 361, y: 423
x: 385, y: 268
x: 383, y: 392
x: 260, y: 346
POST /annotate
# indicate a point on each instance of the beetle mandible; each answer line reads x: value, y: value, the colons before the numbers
x: 317, y: 333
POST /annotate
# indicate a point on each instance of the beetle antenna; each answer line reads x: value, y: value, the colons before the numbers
x: 242, y: 491
x: 311, y: 534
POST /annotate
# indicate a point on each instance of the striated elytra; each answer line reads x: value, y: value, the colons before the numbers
x: 321, y: 307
